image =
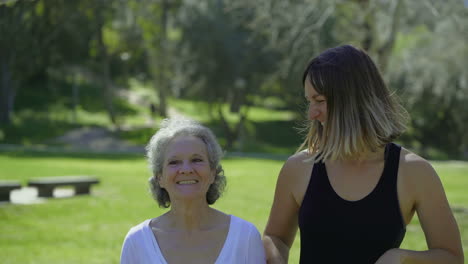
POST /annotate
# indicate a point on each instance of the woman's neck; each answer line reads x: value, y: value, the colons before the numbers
x: 365, y: 158
x: 190, y: 216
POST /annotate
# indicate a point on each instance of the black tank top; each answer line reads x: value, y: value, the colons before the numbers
x: 334, y: 230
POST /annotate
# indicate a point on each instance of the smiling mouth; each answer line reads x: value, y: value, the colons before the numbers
x: 187, y: 182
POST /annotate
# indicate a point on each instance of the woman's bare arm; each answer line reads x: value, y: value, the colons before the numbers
x: 283, y: 221
x: 436, y: 218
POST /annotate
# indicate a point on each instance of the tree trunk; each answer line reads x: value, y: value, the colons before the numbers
x: 7, y: 93
x: 75, y: 99
x: 369, y: 43
x: 386, y: 49
x: 108, y: 93
x: 162, y: 91
x: 228, y: 132
x: 236, y: 133
x: 236, y: 100
x: 369, y: 24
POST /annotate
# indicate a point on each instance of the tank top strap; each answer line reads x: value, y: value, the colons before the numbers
x: 319, y: 177
x: 392, y: 162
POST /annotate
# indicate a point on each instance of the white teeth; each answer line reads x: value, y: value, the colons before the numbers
x: 187, y: 182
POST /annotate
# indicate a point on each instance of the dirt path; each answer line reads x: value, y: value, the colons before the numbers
x: 97, y: 139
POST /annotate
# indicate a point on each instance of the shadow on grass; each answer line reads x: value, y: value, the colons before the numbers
x: 140, y: 136
x: 275, y: 139
x: 77, y: 155
x: 278, y: 133
x: 270, y: 137
x: 34, y: 129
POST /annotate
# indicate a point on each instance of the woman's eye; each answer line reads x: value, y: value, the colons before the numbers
x: 319, y: 99
x: 173, y: 162
x: 197, y: 160
x: 315, y: 100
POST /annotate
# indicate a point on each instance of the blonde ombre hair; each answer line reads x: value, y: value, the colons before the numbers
x: 362, y: 114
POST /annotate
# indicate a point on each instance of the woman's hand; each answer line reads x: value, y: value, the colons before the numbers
x: 392, y: 256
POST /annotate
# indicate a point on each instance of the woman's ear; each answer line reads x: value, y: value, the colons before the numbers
x: 158, y: 179
x: 213, y: 176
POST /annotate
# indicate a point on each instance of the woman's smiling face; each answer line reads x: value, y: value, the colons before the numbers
x: 186, y: 171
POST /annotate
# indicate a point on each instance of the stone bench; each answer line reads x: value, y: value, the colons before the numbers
x: 6, y: 187
x: 46, y: 185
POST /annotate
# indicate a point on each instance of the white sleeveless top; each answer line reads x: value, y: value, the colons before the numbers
x: 243, y: 245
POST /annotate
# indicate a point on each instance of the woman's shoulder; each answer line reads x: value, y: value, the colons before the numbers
x: 413, y: 162
x: 242, y: 224
x: 243, y: 244
x: 138, y: 229
x: 300, y: 156
x: 299, y: 160
x: 296, y: 167
x: 416, y: 168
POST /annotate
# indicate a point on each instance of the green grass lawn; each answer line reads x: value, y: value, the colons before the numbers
x: 90, y: 229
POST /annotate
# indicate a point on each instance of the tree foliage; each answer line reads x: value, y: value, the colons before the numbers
x: 419, y: 46
x: 430, y: 66
x: 221, y: 60
x: 231, y: 53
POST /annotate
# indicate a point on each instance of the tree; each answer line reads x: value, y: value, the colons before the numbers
x: 102, y: 16
x: 154, y: 21
x: 291, y: 32
x: 430, y: 66
x: 16, y: 23
x: 221, y: 61
x: 419, y: 46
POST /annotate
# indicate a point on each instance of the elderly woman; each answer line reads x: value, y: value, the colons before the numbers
x: 187, y: 177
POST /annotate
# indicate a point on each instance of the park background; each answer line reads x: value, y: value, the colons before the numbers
x: 85, y: 83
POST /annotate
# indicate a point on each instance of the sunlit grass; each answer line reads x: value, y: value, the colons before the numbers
x: 202, y: 112
x: 90, y: 229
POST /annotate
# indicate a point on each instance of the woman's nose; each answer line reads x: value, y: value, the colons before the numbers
x: 313, y: 113
x: 186, y: 168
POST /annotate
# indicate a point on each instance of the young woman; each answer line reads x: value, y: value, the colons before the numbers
x: 351, y: 190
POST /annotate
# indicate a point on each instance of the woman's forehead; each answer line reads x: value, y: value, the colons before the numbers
x: 309, y: 89
x: 186, y: 143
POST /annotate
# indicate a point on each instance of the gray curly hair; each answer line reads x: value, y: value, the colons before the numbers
x: 156, y: 149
